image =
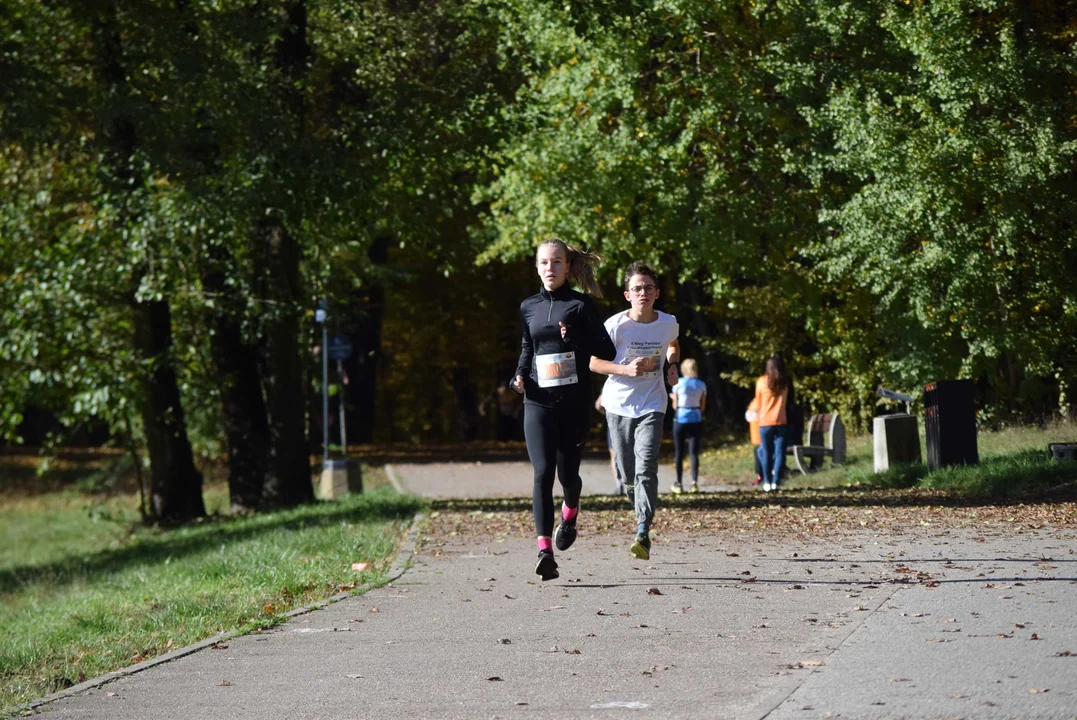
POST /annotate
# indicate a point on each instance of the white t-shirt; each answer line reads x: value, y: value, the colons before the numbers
x: 638, y: 396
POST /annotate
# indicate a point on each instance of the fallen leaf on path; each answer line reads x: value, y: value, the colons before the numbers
x: 504, y: 641
x: 374, y: 608
x: 224, y: 683
x: 353, y: 676
x: 218, y: 646
x: 495, y: 678
x: 1034, y: 637
x: 510, y: 597
x: 601, y: 611
x: 654, y: 591
x: 750, y: 580
x: 1039, y: 690
x: 553, y: 607
x: 810, y: 663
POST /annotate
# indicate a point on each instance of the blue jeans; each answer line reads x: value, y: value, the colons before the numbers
x: 772, y: 452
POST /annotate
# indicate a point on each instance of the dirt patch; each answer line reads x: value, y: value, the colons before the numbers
x: 772, y: 520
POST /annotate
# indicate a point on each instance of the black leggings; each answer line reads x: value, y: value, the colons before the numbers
x: 689, y: 433
x: 554, y: 439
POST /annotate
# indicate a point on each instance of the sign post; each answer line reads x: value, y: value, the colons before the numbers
x: 340, y: 349
x: 320, y: 318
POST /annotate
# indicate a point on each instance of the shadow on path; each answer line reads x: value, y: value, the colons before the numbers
x: 799, y: 498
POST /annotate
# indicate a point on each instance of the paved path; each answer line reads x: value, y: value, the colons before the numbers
x: 930, y: 624
x: 511, y: 479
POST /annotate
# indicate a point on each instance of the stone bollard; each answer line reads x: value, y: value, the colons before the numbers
x: 897, y: 441
x: 340, y: 476
x: 1064, y: 452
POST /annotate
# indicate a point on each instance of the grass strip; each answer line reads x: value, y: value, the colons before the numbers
x: 85, y: 590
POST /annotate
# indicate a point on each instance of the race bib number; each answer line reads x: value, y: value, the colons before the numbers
x: 556, y: 369
x: 652, y: 359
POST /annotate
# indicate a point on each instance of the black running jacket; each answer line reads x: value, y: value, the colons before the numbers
x: 587, y: 336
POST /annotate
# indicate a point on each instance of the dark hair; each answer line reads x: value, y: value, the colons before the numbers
x: 581, y: 265
x: 638, y: 268
x: 777, y: 377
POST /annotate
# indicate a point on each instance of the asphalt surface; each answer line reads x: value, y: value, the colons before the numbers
x: 928, y: 624
x: 514, y: 479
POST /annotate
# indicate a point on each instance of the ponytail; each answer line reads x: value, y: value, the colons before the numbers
x: 581, y: 266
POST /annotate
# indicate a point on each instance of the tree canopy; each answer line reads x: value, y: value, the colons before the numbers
x: 881, y: 191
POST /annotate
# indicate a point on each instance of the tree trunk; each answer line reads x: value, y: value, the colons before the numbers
x: 725, y: 401
x: 175, y: 484
x: 289, y: 480
x: 243, y: 407
x: 368, y: 305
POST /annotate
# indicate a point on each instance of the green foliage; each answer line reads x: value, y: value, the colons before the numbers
x: 878, y: 190
x: 881, y: 191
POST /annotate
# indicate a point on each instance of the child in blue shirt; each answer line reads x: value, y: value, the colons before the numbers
x: 689, y: 398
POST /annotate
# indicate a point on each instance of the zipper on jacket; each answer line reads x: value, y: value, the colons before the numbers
x: 549, y: 315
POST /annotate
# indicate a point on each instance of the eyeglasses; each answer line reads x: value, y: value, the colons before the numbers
x: 642, y: 289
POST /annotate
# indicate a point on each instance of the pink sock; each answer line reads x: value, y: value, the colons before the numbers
x: 568, y: 513
x: 545, y: 543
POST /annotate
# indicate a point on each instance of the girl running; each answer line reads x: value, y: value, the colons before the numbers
x: 689, y: 398
x: 561, y: 332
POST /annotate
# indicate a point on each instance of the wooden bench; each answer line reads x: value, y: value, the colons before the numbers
x: 826, y: 438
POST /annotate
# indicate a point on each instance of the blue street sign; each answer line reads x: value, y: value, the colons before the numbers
x: 340, y: 347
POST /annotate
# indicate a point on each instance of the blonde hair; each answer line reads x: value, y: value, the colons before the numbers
x: 581, y: 265
x: 689, y: 368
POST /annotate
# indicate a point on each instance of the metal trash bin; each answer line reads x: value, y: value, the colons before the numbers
x: 950, y: 423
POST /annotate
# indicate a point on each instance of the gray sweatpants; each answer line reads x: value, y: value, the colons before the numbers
x: 635, y: 452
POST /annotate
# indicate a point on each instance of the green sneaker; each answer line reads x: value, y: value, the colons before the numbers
x: 676, y: 489
x: 641, y: 548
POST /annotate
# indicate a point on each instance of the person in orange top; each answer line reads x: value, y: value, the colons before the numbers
x: 772, y: 396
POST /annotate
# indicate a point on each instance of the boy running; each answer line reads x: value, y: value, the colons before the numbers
x: 634, y: 395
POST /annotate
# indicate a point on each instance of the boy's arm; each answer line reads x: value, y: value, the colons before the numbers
x: 632, y: 369
x: 673, y: 352
x: 673, y: 356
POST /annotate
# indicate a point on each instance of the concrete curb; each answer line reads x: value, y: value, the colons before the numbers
x: 399, y: 567
x: 393, y: 479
